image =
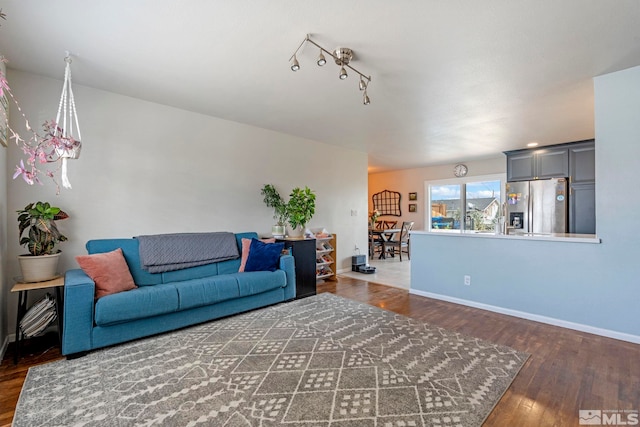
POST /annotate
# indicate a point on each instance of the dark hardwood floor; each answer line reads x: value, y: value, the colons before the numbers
x: 567, y: 370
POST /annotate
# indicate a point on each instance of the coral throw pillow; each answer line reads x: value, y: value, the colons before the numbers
x: 263, y: 256
x: 246, y: 244
x: 109, y: 270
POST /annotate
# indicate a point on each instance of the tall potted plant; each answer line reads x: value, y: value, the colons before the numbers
x: 273, y: 200
x: 37, y: 230
x: 300, y: 209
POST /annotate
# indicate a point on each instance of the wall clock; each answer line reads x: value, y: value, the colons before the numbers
x: 460, y: 170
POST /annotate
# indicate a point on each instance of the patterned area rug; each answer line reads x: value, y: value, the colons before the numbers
x: 318, y: 361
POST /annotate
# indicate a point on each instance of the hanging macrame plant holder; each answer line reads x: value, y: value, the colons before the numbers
x: 70, y: 146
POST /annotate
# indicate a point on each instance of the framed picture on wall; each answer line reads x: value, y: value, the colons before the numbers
x: 413, y: 207
x: 413, y: 196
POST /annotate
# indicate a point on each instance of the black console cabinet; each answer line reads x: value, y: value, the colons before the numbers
x: 304, y: 254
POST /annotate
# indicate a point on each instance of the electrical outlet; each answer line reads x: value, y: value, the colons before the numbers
x: 354, y: 212
x: 467, y: 280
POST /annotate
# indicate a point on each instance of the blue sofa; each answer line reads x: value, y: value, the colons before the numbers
x: 164, y: 301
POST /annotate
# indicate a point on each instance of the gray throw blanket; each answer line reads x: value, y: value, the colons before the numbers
x: 168, y: 252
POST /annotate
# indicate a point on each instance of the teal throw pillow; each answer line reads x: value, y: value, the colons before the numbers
x: 263, y: 256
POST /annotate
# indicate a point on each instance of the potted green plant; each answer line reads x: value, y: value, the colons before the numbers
x: 300, y: 209
x: 273, y: 200
x: 37, y: 230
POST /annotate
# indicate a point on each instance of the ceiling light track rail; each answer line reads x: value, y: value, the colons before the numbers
x: 342, y: 57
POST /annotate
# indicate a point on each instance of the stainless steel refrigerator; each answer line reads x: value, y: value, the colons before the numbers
x: 537, y: 206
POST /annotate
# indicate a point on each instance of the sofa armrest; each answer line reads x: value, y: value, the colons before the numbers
x: 287, y: 264
x: 79, y: 294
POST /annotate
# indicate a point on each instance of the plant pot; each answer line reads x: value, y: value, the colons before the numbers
x: 295, y: 233
x: 39, y: 268
x: 278, y: 231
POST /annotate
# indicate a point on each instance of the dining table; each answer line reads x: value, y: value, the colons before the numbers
x: 385, y: 235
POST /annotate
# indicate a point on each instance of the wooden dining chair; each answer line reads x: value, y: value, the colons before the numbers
x: 375, y: 244
x: 389, y: 224
x: 402, y: 244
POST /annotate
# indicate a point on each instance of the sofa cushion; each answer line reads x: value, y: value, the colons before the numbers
x: 228, y: 267
x: 255, y: 282
x: 197, y: 272
x: 206, y: 291
x: 109, y: 271
x: 263, y: 256
x: 145, y: 301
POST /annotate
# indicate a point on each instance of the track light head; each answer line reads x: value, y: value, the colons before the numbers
x: 363, y: 84
x: 343, y: 73
x: 321, y: 59
x: 295, y: 65
x: 365, y: 98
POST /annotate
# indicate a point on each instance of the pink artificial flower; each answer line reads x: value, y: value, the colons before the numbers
x: 19, y: 169
x: 28, y: 176
x: 32, y: 155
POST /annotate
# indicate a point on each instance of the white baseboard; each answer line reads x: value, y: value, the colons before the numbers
x: 535, y: 317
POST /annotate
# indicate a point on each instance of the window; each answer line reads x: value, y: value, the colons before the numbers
x: 471, y: 204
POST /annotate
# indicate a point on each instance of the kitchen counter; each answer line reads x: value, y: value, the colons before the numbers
x: 554, y: 237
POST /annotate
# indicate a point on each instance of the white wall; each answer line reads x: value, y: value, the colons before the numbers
x: 412, y: 180
x: 592, y: 287
x: 146, y: 168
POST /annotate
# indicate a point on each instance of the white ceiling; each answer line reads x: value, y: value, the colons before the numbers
x: 452, y: 80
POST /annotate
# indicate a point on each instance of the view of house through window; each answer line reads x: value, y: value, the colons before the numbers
x: 445, y: 206
x: 471, y: 204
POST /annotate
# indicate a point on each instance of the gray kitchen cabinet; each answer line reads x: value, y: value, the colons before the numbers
x: 520, y: 166
x: 582, y: 163
x: 582, y: 209
x: 582, y: 188
x: 528, y: 165
x: 552, y: 163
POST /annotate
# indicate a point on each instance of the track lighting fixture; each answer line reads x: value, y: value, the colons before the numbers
x: 342, y: 57
x: 321, y: 60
